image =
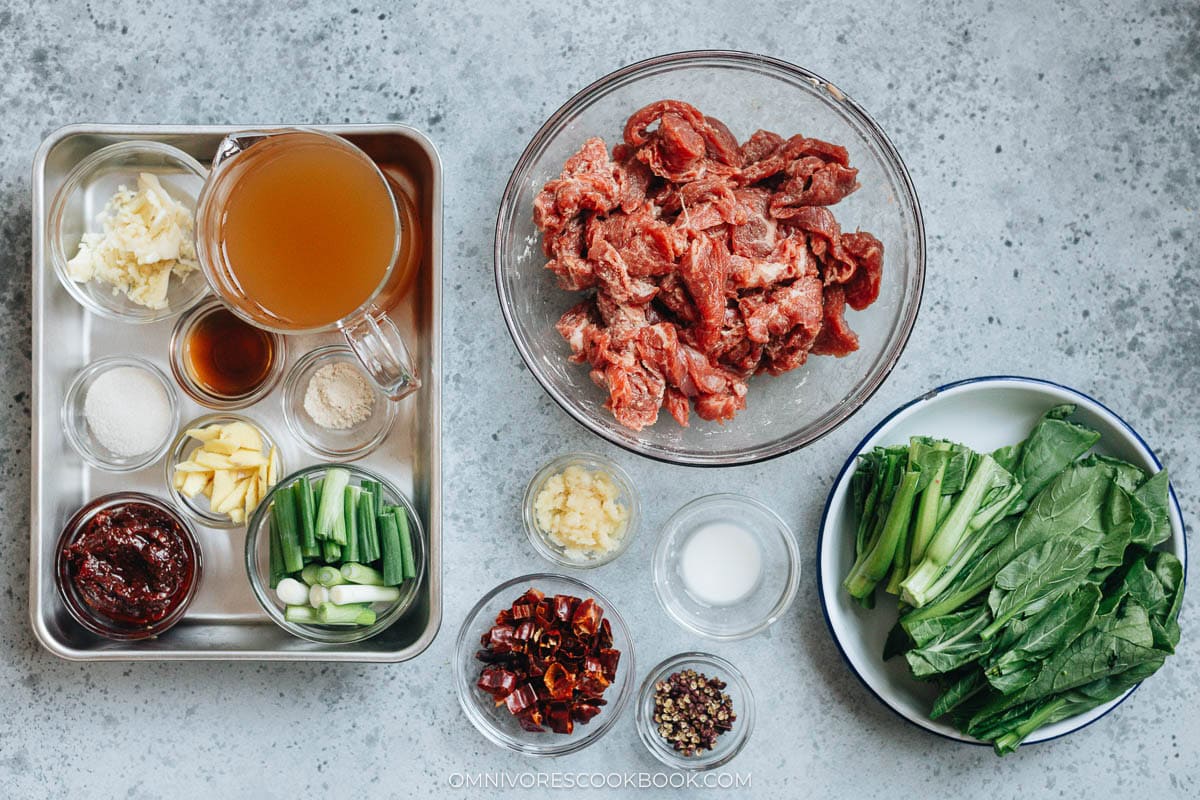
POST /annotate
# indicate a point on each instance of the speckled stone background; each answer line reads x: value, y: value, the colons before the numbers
x: 1056, y: 150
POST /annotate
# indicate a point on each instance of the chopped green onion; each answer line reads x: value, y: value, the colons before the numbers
x: 330, y: 521
x: 301, y: 615
x: 362, y: 574
x: 317, y: 594
x: 283, y: 519
x: 350, y: 551
x: 368, y: 528
x: 406, y: 544
x: 331, y: 614
x: 331, y: 551
x: 308, y: 518
x: 309, y: 573
x: 275, y: 555
x: 291, y: 592
x: 393, y: 558
x: 329, y: 576
x: 350, y: 593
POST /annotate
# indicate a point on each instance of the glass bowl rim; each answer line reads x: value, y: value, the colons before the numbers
x: 73, y: 182
x: 71, y: 398
x: 320, y: 634
x: 780, y: 527
x: 291, y: 387
x: 539, y: 539
x: 175, y: 451
x: 192, y: 388
x: 78, y: 609
x: 463, y: 685
x: 726, y: 671
x: 893, y: 350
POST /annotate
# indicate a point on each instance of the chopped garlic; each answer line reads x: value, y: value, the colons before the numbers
x: 147, y: 238
x: 580, y: 512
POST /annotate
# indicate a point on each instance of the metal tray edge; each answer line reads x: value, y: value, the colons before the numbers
x: 37, y: 271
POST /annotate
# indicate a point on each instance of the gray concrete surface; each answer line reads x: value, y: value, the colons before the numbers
x: 1055, y: 148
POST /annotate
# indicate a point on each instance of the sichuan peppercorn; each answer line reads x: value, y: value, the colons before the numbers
x: 691, y: 710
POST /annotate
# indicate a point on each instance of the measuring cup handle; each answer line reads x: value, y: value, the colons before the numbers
x: 378, y: 344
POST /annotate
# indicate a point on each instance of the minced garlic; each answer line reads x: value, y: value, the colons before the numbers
x: 147, y: 238
x: 578, y: 511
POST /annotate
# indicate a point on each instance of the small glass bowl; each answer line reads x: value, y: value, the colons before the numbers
x: 203, y: 394
x: 259, y: 571
x: 729, y: 744
x: 342, y: 445
x: 80, y: 435
x: 495, y: 722
x: 541, y: 539
x: 80, y: 201
x: 81, y: 611
x: 770, y: 598
x: 179, y: 451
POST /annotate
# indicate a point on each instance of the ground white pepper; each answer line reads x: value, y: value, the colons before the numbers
x: 339, y: 396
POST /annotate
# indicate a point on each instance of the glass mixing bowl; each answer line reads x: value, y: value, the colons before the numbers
x: 746, y: 92
x: 494, y: 721
x: 753, y: 612
x: 93, y: 619
x: 258, y: 567
x: 79, y: 433
x: 181, y: 449
x: 729, y: 744
x: 81, y: 201
x: 541, y: 539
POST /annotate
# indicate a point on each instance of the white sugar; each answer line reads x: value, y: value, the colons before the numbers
x: 128, y: 411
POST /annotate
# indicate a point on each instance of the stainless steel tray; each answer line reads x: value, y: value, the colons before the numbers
x: 224, y: 621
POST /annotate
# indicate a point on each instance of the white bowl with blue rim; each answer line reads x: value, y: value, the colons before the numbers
x: 984, y: 413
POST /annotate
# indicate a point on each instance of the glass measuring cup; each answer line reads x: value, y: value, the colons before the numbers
x: 293, y: 280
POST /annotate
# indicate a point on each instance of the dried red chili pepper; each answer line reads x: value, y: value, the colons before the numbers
x: 549, y: 661
x: 560, y: 682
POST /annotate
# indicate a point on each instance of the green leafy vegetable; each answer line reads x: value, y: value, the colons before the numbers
x: 1071, y: 505
x: 1036, y: 578
x: 1152, y: 498
x: 1026, y: 643
x: 957, y: 645
x: 986, y: 495
x: 881, y: 550
x: 887, y: 522
x: 1031, y: 592
x: 1053, y: 444
x: 958, y: 692
x: 944, y: 467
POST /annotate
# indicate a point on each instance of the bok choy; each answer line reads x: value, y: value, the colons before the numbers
x: 1030, y: 587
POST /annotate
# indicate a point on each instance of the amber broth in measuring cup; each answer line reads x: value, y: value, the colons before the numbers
x: 309, y: 230
x: 299, y: 231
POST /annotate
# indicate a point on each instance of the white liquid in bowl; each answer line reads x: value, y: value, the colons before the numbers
x: 721, y: 563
